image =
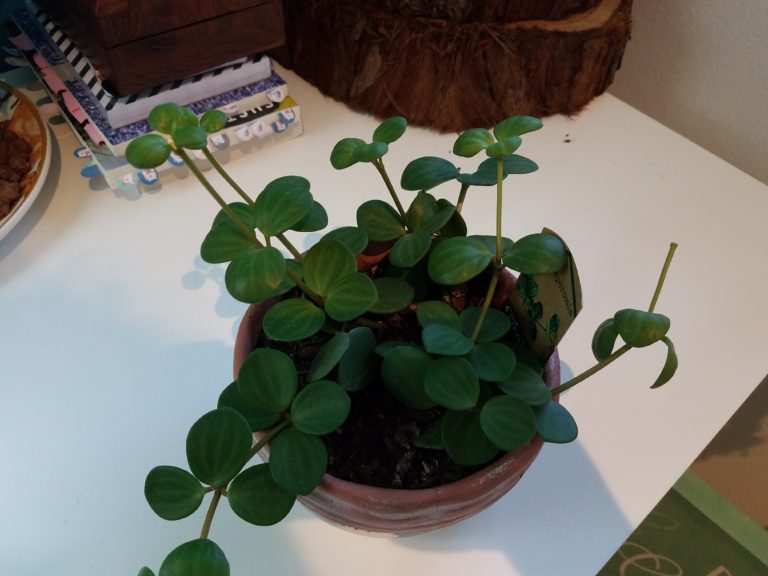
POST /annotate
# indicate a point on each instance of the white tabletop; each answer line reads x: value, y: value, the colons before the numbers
x: 115, y: 337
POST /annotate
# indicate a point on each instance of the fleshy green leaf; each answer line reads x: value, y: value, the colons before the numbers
x: 169, y: 117
x: 390, y: 130
x: 515, y: 126
x: 243, y: 212
x: 508, y: 422
x: 147, y: 151
x: 144, y: 571
x: 380, y: 221
x: 472, y: 141
x: 320, y: 408
x: 670, y: 364
x: 255, y: 275
x: 452, y: 383
x: 268, y: 379
x: 225, y: 243
x: 257, y: 498
x: 172, y: 493
x: 326, y: 262
x: 455, y: 225
x: 437, y: 312
x: 218, y: 445
x: 350, y: 296
x: 456, y: 260
x: 403, y: 371
x: 555, y: 424
x: 344, y: 153
x: 328, y: 356
x: 201, y: 557
x: 490, y: 243
x: 604, y: 339
x: 298, y: 461
x: 213, y: 120
x: 394, y: 294
x: 464, y: 439
x: 192, y: 137
x: 526, y: 384
x: 351, y: 236
x: 428, y: 172
x: 370, y: 152
x: 356, y: 369
x: 639, y: 328
x: 287, y: 283
x: 503, y: 148
x: 421, y: 210
x: 445, y: 340
x: 492, y: 361
x: 283, y: 203
x: 495, y: 325
x: 257, y: 419
x: 314, y: 220
x: 410, y: 248
x: 536, y: 254
x: 292, y: 320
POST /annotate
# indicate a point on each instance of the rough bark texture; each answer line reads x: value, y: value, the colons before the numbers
x: 449, y: 65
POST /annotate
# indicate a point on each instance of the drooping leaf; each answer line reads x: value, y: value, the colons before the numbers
x: 526, y: 384
x: 390, y: 130
x: 326, y: 262
x: 555, y: 424
x: 403, y: 371
x: 503, y: 148
x: 370, y: 152
x: 283, y: 203
x: 257, y: 419
x: 670, y: 364
x: 464, y: 439
x: 344, y: 152
x: 191, y: 137
x: 169, y: 117
x: 380, y: 221
x: 350, y: 296
x: 437, y: 312
x: 293, y: 319
x: 495, y: 325
x: 148, y: 151
x: 508, y: 422
x: 218, y: 444
x: 268, y: 379
x: 256, y: 498
x: 253, y: 276
x: 328, y: 356
x: 314, y: 220
x: 427, y: 172
x: 452, y: 383
x: 394, y: 294
x: 225, y: 243
x: 356, y: 370
x: 515, y: 126
x: 472, y: 141
x: 604, y: 339
x: 351, y: 236
x: 320, y: 408
x: 639, y: 328
x: 172, y: 493
x: 298, y: 461
x: 536, y: 254
x: 201, y: 557
x: 492, y: 361
x: 410, y: 248
x: 213, y: 120
x: 457, y: 260
x: 445, y: 340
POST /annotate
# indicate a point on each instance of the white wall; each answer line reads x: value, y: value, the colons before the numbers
x: 701, y: 68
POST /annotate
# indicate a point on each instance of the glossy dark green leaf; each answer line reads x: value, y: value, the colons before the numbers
x: 283, y: 203
x: 670, y: 364
x: 508, y: 422
x: 298, y: 461
x: 201, y: 557
x: 350, y: 296
x: 452, y: 383
x: 147, y: 151
x: 456, y: 226
x: 268, y: 379
x: 536, y: 254
x: 457, y: 260
x: 503, y: 148
x: 437, y: 312
x: 292, y: 320
x: 526, y: 384
x: 604, y: 339
x: 390, y: 129
x: 555, y: 424
x: 410, y: 248
x: 403, y: 371
x: 320, y: 408
x: 487, y: 172
x: 495, y: 325
x: 421, y: 210
x: 287, y: 283
x: 218, y: 445
x: 326, y: 262
x: 394, y: 294
x: 472, y: 141
x: 464, y: 439
x: 380, y: 221
x: 357, y: 368
x: 257, y: 419
x: 343, y: 154
x: 144, y: 571
x: 172, y: 493
x: 351, y: 236
x: 492, y: 361
x: 328, y: 356
x: 428, y: 172
x: 445, y: 340
x: 490, y: 243
x: 254, y: 276
x: 213, y: 120
x: 243, y: 212
x: 225, y: 243
x: 370, y: 152
x: 639, y: 328
x: 191, y: 137
x: 314, y: 220
x: 441, y: 218
x: 256, y: 498
x: 515, y: 126
x: 169, y: 117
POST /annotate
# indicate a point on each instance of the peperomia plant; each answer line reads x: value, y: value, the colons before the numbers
x: 419, y: 322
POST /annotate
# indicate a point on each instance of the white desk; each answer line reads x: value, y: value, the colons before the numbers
x: 115, y: 337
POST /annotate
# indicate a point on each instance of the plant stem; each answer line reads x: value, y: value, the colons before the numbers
x: 486, y: 302
x: 291, y: 248
x: 499, y: 189
x: 269, y: 436
x: 462, y: 196
x: 587, y: 373
x: 211, y: 512
x: 663, y: 275
x: 220, y: 169
x: 379, y: 163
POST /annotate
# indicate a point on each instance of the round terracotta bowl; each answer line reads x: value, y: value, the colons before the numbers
x: 392, y: 512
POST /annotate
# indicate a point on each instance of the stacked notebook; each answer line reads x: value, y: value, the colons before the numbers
x: 248, y: 90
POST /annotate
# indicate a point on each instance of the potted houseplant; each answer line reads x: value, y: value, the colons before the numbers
x: 403, y: 318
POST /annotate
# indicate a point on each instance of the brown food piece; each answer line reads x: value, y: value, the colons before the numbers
x: 14, y: 165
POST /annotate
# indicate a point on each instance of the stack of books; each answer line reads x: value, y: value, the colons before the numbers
x: 254, y: 97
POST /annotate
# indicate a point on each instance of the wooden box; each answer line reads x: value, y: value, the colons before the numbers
x: 140, y: 44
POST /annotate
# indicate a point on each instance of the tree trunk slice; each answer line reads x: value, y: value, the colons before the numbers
x: 453, y: 75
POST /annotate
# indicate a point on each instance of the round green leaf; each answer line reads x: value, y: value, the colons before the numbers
x: 370, y: 152
x: 487, y: 175
x: 169, y: 117
x: 390, y: 130
x: 472, y: 141
x: 464, y: 439
x: 243, y: 212
x: 441, y: 218
x: 452, y: 383
x: 268, y: 379
x: 670, y: 364
x: 492, y: 361
x: 218, y: 445
x: 201, y: 557
x: 351, y: 236
x: 287, y: 283
x: 255, y: 275
x: 515, y: 164
x: 257, y: 419
x: 437, y: 312
x: 403, y: 370
x: 410, y: 248
x: 326, y: 262
x: 495, y: 325
x: 456, y: 226
x: 428, y: 172
x: 515, y: 126
x: 172, y: 493
x: 192, y: 137
x: 350, y: 296
x: 457, y: 260
x: 604, y: 340
x: 283, y: 203
x: 490, y: 243
x: 298, y: 461
x: 144, y: 571
x: 445, y: 340
x: 503, y: 148
x: 292, y: 320
x: 508, y: 422
x: 639, y: 328
x: 213, y: 120
x: 356, y: 369
x: 257, y: 498
x: 394, y: 294
x: 536, y: 254
x: 555, y: 424
x: 328, y: 356
x: 320, y: 408
x: 147, y: 151
x: 343, y: 154
x: 314, y: 220
x: 526, y: 384
x: 225, y: 243
x: 421, y: 210
x: 380, y: 221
